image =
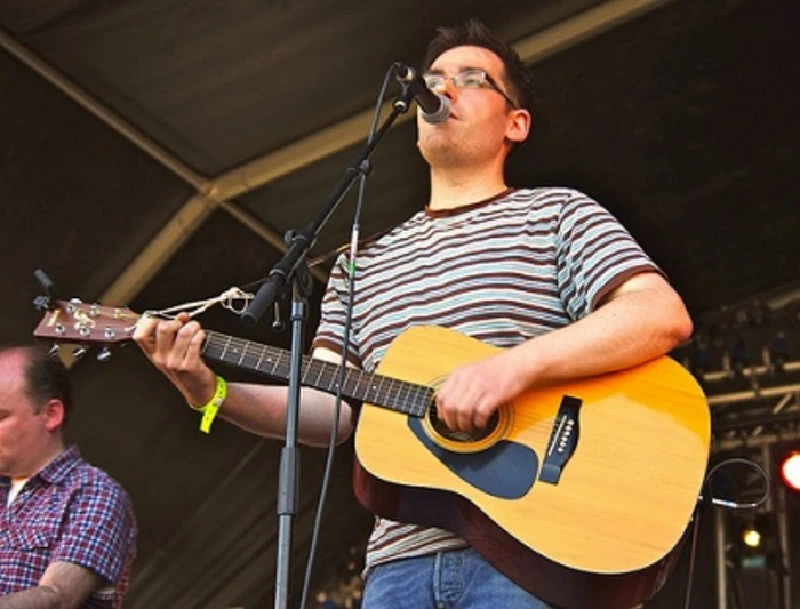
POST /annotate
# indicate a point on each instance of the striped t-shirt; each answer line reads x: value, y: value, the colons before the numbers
x: 503, y: 270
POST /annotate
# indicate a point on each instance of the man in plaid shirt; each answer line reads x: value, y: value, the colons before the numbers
x: 67, y: 529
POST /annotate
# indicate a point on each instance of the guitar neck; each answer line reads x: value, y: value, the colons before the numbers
x: 274, y: 363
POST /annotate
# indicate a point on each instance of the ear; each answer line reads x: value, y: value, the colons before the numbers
x: 53, y: 414
x: 519, y: 125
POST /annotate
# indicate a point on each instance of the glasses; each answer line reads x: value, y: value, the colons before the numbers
x: 467, y: 79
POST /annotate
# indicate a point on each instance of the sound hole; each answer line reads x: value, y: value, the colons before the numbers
x: 440, y: 427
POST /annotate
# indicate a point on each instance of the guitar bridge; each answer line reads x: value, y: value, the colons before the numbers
x: 563, y: 440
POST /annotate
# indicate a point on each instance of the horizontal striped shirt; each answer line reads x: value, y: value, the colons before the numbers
x: 503, y: 270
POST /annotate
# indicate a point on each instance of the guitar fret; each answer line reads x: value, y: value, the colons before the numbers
x: 416, y: 405
x: 393, y: 393
x: 408, y: 401
x: 225, y: 348
x: 347, y: 377
x: 413, y: 398
x: 373, y: 388
x: 379, y: 394
x: 260, y: 358
x: 332, y: 383
x: 388, y: 391
x: 279, y: 362
x: 393, y: 396
x: 380, y: 397
x: 356, y: 379
x: 318, y: 382
x: 400, y: 400
x: 426, y: 398
x: 244, y: 352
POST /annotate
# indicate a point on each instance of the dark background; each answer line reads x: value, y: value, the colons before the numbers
x: 154, y: 152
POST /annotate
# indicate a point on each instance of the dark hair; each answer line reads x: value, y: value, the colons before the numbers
x: 46, y: 377
x: 517, y: 78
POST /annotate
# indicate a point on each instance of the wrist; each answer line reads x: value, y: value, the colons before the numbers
x: 211, y: 407
x: 201, y: 393
x: 517, y: 369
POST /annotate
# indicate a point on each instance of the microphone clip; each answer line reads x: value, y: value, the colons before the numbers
x: 434, y: 108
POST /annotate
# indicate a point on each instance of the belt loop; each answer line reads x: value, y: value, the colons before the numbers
x: 437, y: 581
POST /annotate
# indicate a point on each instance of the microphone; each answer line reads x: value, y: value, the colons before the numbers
x: 435, y: 108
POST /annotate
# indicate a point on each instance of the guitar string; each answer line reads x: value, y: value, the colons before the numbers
x: 420, y: 396
x: 419, y: 401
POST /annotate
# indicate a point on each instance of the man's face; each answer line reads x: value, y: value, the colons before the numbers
x: 25, y: 436
x: 481, y: 121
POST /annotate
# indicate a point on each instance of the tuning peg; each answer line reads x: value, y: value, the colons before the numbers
x: 53, y: 351
x: 73, y: 305
x: 79, y: 352
x: 104, y: 355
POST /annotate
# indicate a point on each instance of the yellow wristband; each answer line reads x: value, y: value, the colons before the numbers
x: 209, y: 411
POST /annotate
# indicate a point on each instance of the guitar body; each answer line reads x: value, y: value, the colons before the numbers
x: 598, y: 528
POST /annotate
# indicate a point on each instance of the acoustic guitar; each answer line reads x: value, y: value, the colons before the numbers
x: 580, y: 492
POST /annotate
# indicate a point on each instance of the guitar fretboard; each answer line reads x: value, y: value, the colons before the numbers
x: 394, y: 394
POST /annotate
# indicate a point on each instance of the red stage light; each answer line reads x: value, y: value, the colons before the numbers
x: 790, y: 470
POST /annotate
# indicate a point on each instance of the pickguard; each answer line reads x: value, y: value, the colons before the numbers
x: 506, y: 470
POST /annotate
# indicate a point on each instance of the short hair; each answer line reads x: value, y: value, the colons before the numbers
x: 517, y: 78
x: 45, y: 377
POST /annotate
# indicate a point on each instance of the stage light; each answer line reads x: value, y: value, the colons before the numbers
x: 751, y: 537
x: 790, y: 470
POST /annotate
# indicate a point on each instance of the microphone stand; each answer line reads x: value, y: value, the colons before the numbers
x: 294, y: 268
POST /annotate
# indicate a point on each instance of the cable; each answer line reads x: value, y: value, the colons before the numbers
x: 722, y: 503
x: 345, y: 346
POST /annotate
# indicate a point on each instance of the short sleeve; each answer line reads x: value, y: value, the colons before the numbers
x: 595, y: 255
x: 99, y: 530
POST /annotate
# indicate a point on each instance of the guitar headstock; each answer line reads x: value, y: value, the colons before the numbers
x: 77, y: 322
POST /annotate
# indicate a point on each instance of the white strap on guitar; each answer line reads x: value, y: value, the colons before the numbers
x: 227, y: 300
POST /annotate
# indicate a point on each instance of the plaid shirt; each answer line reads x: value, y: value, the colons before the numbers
x: 70, y: 512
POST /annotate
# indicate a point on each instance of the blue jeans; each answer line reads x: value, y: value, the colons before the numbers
x: 458, y: 579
